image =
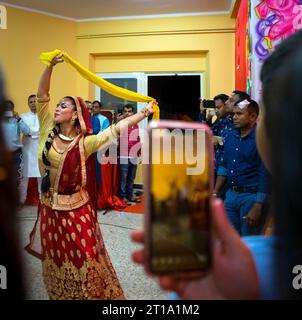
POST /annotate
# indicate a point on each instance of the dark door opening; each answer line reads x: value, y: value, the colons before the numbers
x: 177, y: 95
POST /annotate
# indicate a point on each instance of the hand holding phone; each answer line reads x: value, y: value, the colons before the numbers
x: 232, y: 274
x: 201, y: 105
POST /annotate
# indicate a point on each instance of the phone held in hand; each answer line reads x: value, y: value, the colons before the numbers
x: 178, y: 185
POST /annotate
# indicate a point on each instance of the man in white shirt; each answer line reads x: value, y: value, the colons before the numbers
x: 30, y: 149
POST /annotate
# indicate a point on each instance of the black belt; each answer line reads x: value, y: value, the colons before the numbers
x: 244, y: 189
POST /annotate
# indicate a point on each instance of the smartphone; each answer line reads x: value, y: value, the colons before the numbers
x: 178, y: 182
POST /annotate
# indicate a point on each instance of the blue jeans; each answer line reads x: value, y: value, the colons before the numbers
x: 237, y: 206
x: 127, y: 174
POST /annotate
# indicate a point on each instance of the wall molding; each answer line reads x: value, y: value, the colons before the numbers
x: 158, y: 16
x: 150, y: 16
x: 154, y: 33
x: 37, y: 11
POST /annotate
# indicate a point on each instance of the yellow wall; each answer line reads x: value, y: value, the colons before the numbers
x: 192, y: 44
x: 27, y: 35
x: 182, y: 44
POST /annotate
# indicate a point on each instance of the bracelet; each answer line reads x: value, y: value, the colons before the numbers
x: 145, y: 112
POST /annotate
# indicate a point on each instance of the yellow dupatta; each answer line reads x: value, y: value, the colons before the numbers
x: 122, y: 93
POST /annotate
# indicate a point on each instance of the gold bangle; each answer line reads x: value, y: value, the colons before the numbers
x: 145, y: 112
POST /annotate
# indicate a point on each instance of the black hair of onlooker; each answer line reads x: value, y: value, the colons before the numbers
x: 8, y: 105
x: 31, y: 96
x: 128, y: 106
x: 242, y: 95
x: 97, y: 102
x: 223, y: 97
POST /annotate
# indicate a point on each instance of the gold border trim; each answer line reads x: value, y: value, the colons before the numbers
x: 68, y: 202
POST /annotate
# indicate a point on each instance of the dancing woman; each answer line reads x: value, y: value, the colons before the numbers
x: 66, y: 236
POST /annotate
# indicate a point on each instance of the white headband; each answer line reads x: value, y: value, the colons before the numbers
x: 243, y: 104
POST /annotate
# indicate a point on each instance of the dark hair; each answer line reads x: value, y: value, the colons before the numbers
x: 281, y: 77
x: 45, y: 185
x: 98, y: 102
x: 253, y: 107
x: 8, y: 105
x: 242, y: 95
x: 223, y: 97
x: 87, y: 101
x: 9, y: 253
x: 128, y: 106
x: 31, y: 96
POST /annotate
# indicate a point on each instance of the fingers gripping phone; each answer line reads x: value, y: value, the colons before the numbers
x: 178, y: 183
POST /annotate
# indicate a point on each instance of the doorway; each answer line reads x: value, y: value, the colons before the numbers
x: 177, y: 94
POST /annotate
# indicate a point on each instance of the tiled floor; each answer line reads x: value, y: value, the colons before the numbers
x: 116, y: 227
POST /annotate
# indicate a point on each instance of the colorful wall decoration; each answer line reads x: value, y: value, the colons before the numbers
x: 269, y: 22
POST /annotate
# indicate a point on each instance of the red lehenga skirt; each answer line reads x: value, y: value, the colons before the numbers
x: 74, y: 258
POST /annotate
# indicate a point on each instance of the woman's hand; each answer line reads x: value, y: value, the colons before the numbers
x: 232, y: 274
x: 44, y: 84
x: 57, y: 59
x: 150, y: 106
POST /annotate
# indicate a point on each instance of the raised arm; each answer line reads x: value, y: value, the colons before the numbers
x: 104, y: 138
x: 44, y: 84
x: 45, y: 118
x: 136, y: 118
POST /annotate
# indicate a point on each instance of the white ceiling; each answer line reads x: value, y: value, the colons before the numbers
x: 95, y: 9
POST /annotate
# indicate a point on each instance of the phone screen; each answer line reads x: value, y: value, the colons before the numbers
x: 179, y: 200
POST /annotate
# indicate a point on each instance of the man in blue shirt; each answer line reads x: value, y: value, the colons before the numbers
x: 96, y: 126
x: 243, y: 171
x: 224, y: 110
x: 96, y: 109
x: 221, y: 126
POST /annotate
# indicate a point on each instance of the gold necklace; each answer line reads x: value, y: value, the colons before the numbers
x: 65, y: 138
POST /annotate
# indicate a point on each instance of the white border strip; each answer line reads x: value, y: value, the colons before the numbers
x: 153, y: 16
x: 37, y: 11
